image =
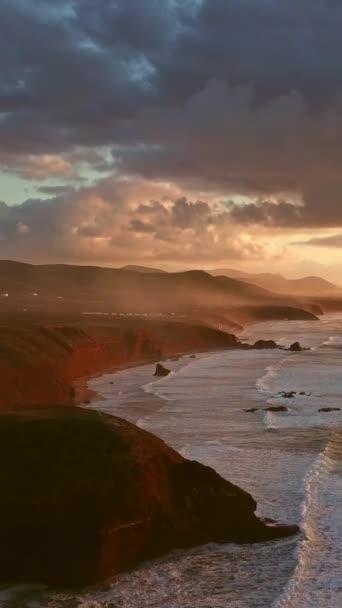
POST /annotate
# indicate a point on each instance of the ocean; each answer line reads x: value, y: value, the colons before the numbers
x: 290, y: 461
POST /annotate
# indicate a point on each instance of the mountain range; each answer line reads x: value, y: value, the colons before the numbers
x: 221, y: 300
x: 311, y: 285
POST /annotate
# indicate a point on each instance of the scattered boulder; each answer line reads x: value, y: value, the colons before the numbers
x: 287, y: 395
x: 192, y: 356
x: 85, y: 495
x: 329, y: 409
x: 276, y: 408
x: 265, y: 344
x: 161, y: 371
x: 175, y: 359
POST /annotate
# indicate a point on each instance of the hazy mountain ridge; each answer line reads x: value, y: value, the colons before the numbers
x: 195, y: 294
x: 18, y: 277
x: 143, y: 269
x: 310, y: 285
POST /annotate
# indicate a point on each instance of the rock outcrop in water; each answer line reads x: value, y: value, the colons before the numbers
x: 276, y: 408
x: 85, y: 495
x: 296, y: 347
x: 265, y: 344
x: 287, y: 394
x: 329, y: 409
x: 161, y: 371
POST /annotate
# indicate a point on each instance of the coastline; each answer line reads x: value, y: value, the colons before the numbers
x: 219, y: 433
x: 49, y: 365
x: 85, y: 395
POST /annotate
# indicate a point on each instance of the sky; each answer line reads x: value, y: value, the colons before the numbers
x: 172, y: 133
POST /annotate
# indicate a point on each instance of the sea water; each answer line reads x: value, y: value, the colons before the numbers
x: 290, y: 461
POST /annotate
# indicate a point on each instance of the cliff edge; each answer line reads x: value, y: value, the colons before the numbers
x: 85, y: 495
x: 40, y: 360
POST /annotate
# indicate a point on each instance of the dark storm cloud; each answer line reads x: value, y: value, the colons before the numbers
x: 221, y: 96
x: 267, y: 213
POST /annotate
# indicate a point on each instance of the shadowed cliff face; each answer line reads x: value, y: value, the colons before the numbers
x: 39, y: 363
x: 85, y: 495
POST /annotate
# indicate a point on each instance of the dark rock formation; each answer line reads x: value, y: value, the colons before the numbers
x: 276, y: 408
x: 265, y: 344
x: 161, y: 371
x: 85, y: 495
x: 251, y: 409
x: 295, y: 347
x: 192, y: 356
x: 287, y: 395
x: 329, y: 409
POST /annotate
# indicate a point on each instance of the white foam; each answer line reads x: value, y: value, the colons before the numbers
x: 333, y: 342
x: 265, y: 382
x: 316, y: 580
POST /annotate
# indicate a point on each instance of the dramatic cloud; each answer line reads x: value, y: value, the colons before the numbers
x: 238, y: 103
x: 40, y: 167
x: 121, y: 220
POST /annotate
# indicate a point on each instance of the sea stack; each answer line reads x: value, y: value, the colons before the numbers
x: 161, y: 371
x: 295, y: 347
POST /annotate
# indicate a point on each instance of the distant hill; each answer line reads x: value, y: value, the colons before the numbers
x: 194, y: 294
x: 143, y: 269
x: 312, y: 286
x: 121, y: 285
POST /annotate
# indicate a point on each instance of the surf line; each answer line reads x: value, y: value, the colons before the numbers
x: 313, y: 536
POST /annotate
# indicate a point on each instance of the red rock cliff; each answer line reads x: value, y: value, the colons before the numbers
x: 40, y: 363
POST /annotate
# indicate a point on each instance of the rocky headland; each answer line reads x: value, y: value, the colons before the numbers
x: 85, y: 495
